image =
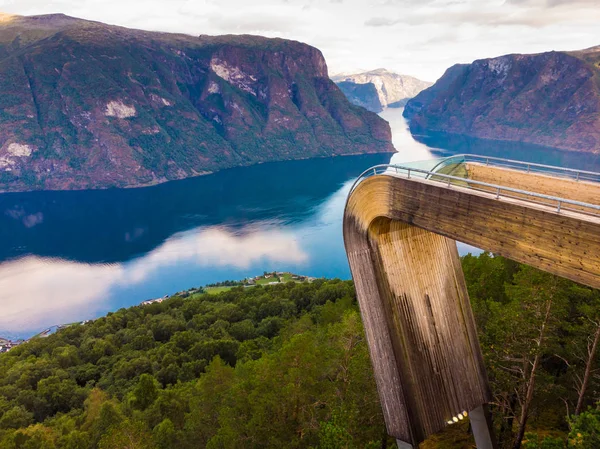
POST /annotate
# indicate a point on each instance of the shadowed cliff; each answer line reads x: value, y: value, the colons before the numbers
x: 550, y: 99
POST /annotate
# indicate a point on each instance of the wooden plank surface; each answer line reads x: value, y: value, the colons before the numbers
x: 586, y: 192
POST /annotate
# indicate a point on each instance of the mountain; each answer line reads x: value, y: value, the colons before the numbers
x: 88, y: 105
x: 378, y: 89
x: 363, y: 95
x: 550, y: 99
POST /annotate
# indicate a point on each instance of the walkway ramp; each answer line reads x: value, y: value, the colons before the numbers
x: 401, y: 225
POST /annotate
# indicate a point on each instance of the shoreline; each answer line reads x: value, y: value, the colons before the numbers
x: 198, y: 175
x: 425, y: 134
x: 209, y: 289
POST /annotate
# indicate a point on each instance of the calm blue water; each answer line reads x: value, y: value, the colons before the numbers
x: 69, y: 256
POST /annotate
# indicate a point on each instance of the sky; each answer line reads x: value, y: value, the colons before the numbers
x: 415, y: 37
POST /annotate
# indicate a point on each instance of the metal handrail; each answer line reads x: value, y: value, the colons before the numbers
x: 500, y: 191
x: 578, y: 175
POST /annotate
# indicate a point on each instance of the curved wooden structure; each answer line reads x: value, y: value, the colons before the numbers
x: 400, y: 234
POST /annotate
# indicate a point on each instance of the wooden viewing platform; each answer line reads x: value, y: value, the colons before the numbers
x: 401, y: 225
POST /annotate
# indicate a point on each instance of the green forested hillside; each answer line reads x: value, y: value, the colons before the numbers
x: 287, y: 366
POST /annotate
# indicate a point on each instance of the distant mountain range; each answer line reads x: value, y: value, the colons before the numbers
x: 550, y: 99
x: 379, y: 89
x: 88, y: 105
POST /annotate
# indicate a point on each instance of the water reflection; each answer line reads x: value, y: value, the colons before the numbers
x: 39, y: 292
x: 409, y: 149
x: 512, y: 150
x: 69, y: 256
x: 97, y: 251
x: 117, y: 225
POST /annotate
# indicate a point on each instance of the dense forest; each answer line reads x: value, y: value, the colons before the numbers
x: 287, y: 366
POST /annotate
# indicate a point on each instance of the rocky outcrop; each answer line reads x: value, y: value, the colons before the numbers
x: 550, y: 99
x: 379, y: 89
x: 363, y: 95
x: 87, y: 105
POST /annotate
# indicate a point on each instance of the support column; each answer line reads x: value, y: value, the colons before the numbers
x: 430, y: 324
x: 483, y: 429
x: 400, y: 239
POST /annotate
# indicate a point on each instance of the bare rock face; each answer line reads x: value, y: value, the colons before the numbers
x: 363, y: 95
x: 550, y: 99
x: 87, y: 105
x: 378, y: 89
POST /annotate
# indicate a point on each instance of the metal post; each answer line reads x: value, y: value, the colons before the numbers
x: 409, y: 173
x: 498, y: 193
x: 483, y: 430
x: 558, y: 208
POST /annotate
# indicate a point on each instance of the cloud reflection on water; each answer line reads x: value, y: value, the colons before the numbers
x: 217, y: 246
x: 39, y: 292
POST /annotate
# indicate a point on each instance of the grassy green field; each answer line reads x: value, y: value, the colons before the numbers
x: 216, y: 290
x: 265, y: 281
x: 286, y: 277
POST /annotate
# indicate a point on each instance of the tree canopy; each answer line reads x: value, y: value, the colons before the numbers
x: 287, y: 366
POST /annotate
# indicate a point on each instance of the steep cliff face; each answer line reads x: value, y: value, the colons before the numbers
x: 378, y: 89
x: 550, y: 99
x: 363, y: 95
x: 87, y: 105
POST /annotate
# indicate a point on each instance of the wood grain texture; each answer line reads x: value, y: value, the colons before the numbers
x: 400, y: 238
x: 430, y: 322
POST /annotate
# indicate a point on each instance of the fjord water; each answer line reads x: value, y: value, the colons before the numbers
x: 70, y: 256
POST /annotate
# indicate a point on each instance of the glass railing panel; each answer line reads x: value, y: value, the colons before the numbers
x: 427, y: 165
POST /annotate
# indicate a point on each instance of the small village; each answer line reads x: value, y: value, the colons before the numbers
x: 6, y: 345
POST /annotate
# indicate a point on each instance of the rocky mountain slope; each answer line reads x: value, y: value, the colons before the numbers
x: 378, y: 89
x: 87, y: 105
x: 550, y: 99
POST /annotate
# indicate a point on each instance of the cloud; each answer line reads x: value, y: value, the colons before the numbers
x: 381, y: 22
x: 529, y: 13
x: 551, y: 3
x: 253, y: 23
x: 245, y: 18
